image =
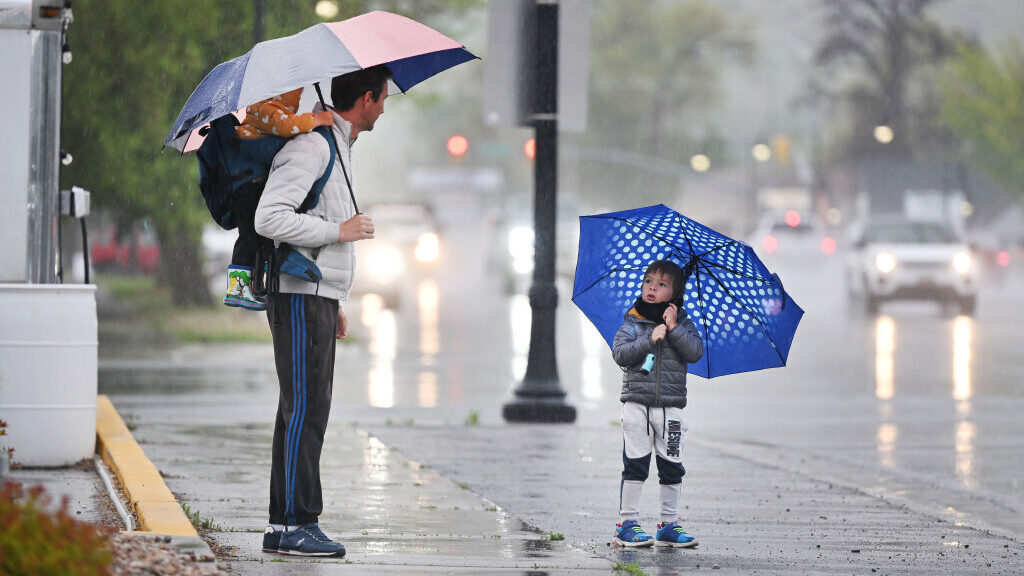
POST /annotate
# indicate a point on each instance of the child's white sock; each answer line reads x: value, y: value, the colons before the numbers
x: 276, y: 527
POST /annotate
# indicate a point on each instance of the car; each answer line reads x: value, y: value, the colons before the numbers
x: 791, y: 233
x: 136, y: 251
x: 895, y: 258
x: 511, y: 259
x: 406, y: 241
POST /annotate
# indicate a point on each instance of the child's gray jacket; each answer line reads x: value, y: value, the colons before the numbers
x: 665, y: 385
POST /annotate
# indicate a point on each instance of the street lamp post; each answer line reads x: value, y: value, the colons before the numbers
x: 540, y: 397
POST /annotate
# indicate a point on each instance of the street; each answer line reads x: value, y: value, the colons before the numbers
x: 889, y: 442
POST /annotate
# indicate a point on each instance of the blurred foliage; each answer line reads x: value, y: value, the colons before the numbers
x: 7, y: 452
x: 36, y: 540
x: 877, y: 61
x: 656, y: 66
x: 135, y: 64
x: 983, y: 102
x: 142, y: 299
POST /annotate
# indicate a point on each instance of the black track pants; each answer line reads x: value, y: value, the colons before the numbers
x: 303, y: 328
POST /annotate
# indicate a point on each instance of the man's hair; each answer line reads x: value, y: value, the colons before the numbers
x: 670, y: 269
x: 348, y: 88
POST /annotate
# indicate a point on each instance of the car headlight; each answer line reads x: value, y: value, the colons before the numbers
x: 885, y: 262
x: 520, y: 242
x: 385, y: 264
x: 962, y: 262
x: 428, y: 247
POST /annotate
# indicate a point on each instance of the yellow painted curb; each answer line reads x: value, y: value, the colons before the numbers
x: 148, y: 495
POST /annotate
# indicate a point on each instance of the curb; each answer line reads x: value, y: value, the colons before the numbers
x: 159, y: 513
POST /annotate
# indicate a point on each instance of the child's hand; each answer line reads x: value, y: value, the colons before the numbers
x: 659, y: 333
x: 325, y: 118
x: 670, y: 316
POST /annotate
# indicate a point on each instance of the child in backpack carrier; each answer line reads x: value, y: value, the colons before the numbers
x: 271, y: 117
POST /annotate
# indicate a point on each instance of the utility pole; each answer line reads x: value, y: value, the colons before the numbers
x: 540, y: 397
x: 257, y: 25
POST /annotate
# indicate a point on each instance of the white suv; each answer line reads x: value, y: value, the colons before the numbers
x: 893, y: 258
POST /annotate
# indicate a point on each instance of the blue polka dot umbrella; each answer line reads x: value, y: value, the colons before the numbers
x: 741, y: 310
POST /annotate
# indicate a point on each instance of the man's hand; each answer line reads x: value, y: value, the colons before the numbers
x: 342, y: 324
x: 659, y: 333
x: 670, y: 316
x: 324, y: 118
x: 358, y: 227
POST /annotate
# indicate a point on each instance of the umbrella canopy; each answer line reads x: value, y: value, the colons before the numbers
x: 742, y: 313
x: 413, y: 52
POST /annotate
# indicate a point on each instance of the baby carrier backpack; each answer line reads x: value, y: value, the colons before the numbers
x: 226, y: 163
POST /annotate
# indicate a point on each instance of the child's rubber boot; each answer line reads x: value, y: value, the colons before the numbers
x: 239, y: 292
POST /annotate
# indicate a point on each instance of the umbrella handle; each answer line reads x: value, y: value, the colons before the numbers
x: 330, y: 130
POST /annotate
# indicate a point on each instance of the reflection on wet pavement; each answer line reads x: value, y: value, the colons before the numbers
x: 380, y: 324
x: 885, y: 346
x: 594, y: 349
x: 965, y: 431
x: 963, y: 329
x: 520, y: 319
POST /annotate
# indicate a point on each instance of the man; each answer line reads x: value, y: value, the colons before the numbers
x: 306, y: 317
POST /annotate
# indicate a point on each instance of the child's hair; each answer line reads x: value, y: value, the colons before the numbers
x: 670, y: 269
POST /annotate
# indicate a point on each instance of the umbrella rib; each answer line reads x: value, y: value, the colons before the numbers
x: 704, y: 317
x: 634, y: 225
x: 759, y: 322
x: 715, y: 249
x: 683, y: 230
x: 731, y: 271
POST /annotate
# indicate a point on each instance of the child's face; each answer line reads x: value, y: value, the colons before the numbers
x: 657, y: 288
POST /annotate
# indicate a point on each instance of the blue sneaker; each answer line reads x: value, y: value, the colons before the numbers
x: 309, y: 540
x: 629, y: 533
x: 271, y: 540
x: 674, y: 535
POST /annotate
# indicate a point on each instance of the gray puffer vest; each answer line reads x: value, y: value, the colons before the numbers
x: 665, y: 385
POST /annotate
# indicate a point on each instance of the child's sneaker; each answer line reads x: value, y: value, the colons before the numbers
x: 629, y: 533
x: 674, y: 535
x: 239, y: 292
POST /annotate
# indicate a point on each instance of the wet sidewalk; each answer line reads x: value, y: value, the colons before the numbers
x: 394, y: 515
x: 457, y: 499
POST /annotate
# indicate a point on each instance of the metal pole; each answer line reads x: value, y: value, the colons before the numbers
x: 257, y: 25
x: 540, y: 397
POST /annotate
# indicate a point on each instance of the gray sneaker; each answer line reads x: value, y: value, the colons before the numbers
x: 309, y: 540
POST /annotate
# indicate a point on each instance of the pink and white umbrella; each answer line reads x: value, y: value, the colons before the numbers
x: 413, y: 52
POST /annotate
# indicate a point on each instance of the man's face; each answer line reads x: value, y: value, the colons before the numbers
x: 373, y: 109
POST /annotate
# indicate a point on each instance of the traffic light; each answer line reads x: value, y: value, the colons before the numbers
x: 458, y: 145
x: 530, y: 148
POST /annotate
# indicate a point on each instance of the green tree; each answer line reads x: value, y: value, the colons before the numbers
x: 135, y: 64
x: 983, y: 103
x: 652, y: 62
x: 875, y: 58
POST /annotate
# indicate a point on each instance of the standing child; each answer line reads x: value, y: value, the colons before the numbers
x: 271, y: 117
x: 653, y: 346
